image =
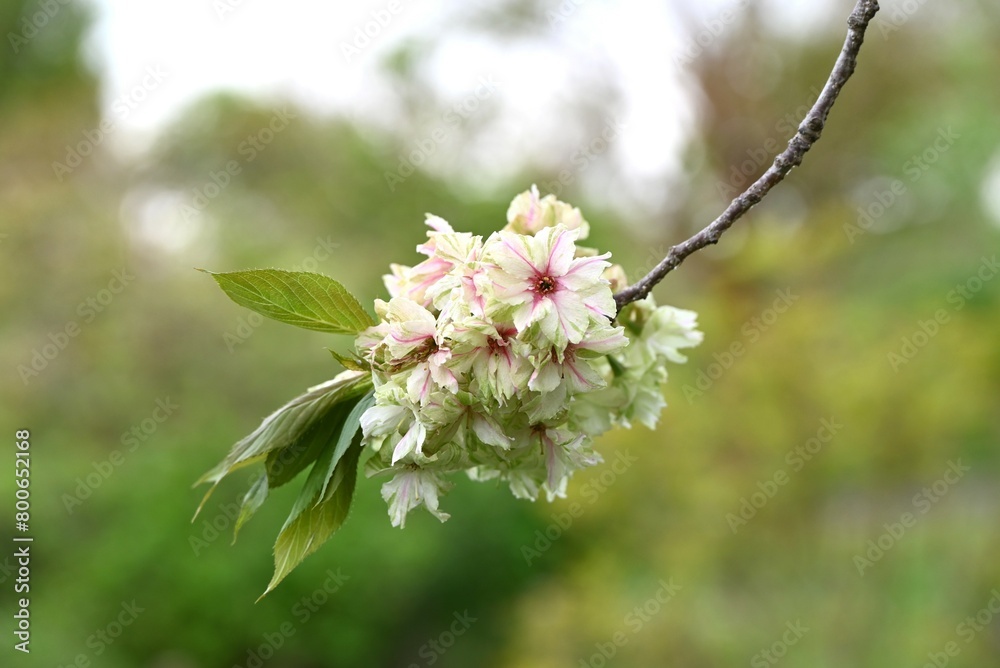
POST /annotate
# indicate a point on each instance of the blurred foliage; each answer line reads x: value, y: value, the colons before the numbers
x: 171, y: 336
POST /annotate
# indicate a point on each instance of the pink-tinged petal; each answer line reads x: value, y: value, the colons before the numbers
x: 581, y: 376
x: 419, y: 384
x: 512, y: 291
x: 574, y: 317
x: 411, y: 334
x: 546, y: 378
x: 413, y: 441
x: 556, y: 471
x: 442, y: 375
x: 433, y: 266
x: 457, y: 248
x: 481, y: 281
x: 424, y: 275
x: 371, y: 337
x: 410, y: 488
x: 403, y: 310
x: 418, y: 291
x: 528, y: 314
x: 400, y: 493
x: 379, y: 420
x: 552, y: 329
x: 438, y: 224
x: 561, y: 248
x: 502, y: 370
x: 410, y: 326
x: 523, y: 212
x: 474, y: 296
x: 514, y: 255
x: 599, y: 300
x: 396, y: 281
x: 605, y: 340
x: 584, y: 272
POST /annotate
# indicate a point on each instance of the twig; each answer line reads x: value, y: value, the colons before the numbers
x: 808, y: 133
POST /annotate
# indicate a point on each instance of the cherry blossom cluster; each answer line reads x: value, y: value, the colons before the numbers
x: 501, y: 358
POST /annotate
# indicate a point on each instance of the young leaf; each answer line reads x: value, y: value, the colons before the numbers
x: 323, y: 471
x: 288, y: 425
x: 306, y: 531
x: 300, y: 298
x: 351, y: 362
x: 347, y: 436
x: 252, y: 501
x: 283, y: 465
x: 329, y: 440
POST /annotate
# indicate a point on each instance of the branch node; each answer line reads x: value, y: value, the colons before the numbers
x: 813, y: 126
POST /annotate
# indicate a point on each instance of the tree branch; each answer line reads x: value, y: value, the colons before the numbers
x: 808, y: 134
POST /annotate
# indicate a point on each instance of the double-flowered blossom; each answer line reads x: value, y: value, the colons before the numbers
x: 501, y: 358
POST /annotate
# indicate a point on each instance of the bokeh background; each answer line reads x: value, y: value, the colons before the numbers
x: 821, y: 491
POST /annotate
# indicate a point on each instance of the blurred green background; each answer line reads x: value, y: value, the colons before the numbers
x: 860, y: 295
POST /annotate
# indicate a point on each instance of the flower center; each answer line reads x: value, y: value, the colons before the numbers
x: 419, y: 354
x: 498, y: 345
x: 545, y: 285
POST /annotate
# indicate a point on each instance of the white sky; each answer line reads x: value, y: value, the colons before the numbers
x: 293, y: 50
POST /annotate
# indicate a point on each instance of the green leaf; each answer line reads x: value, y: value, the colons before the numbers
x: 323, y: 470
x: 283, y: 465
x: 252, y: 501
x: 351, y: 363
x: 299, y: 298
x: 304, y: 532
x: 319, y: 445
x: 350, y: 429
x: 288, y: 425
